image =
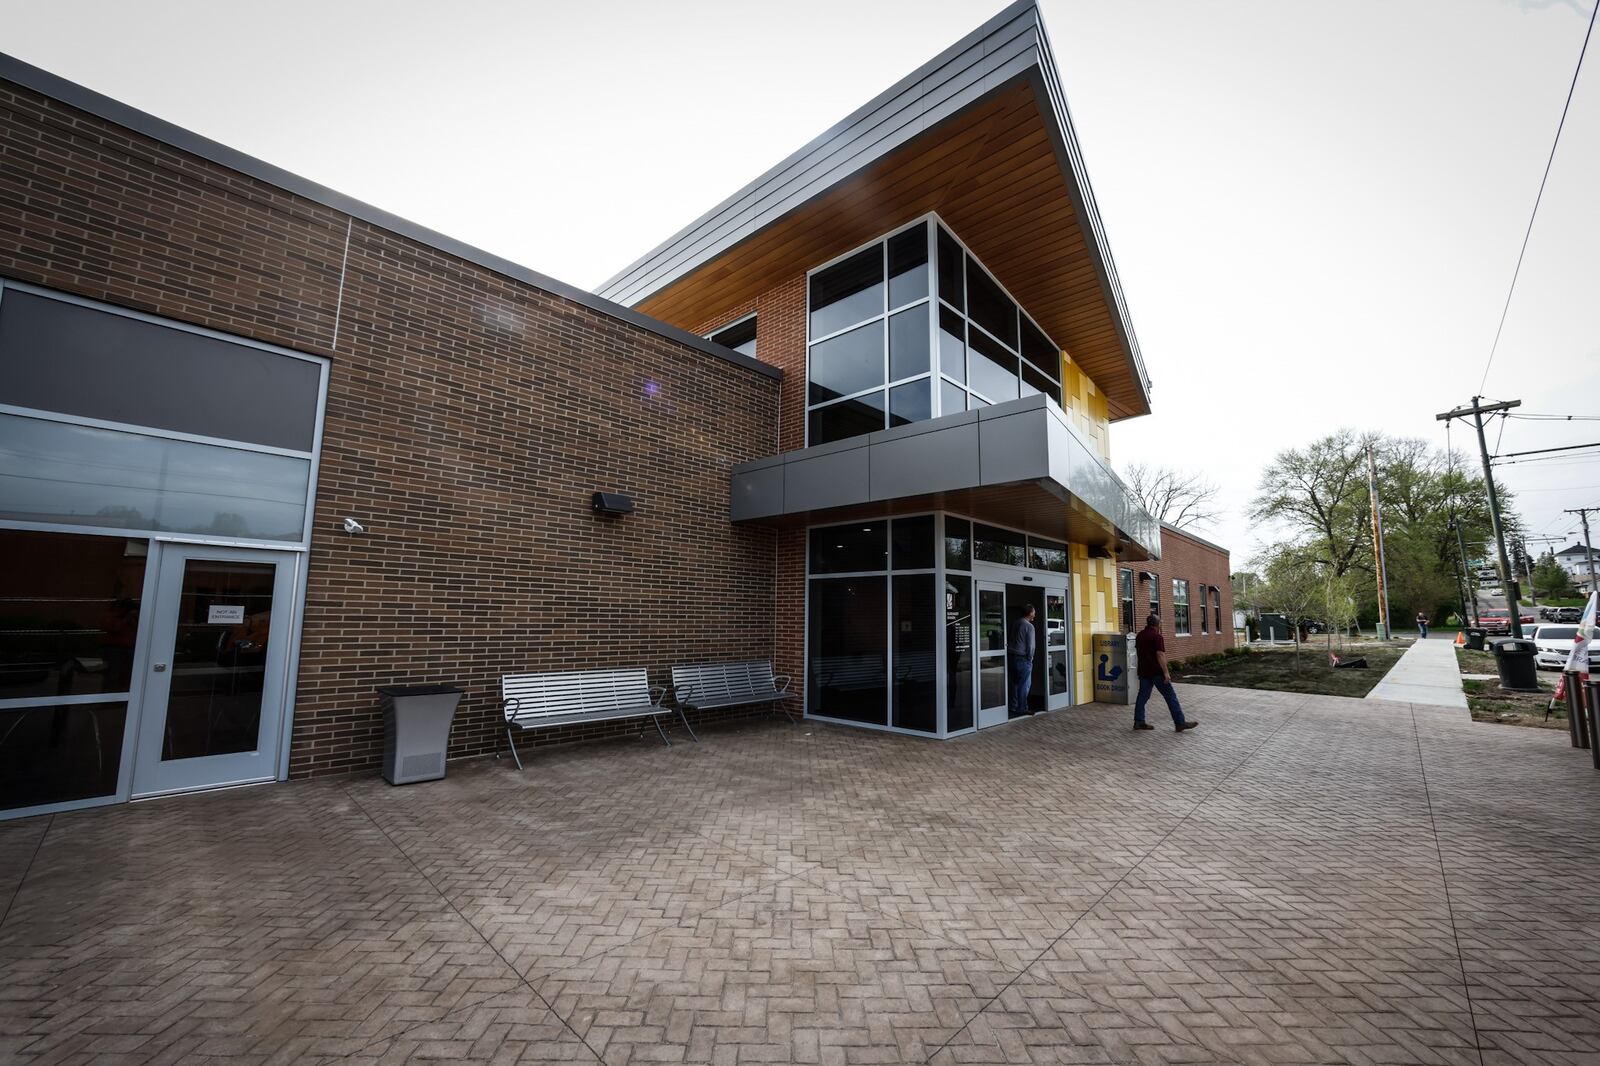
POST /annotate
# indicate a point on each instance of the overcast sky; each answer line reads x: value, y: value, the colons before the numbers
x: 1315, y: 208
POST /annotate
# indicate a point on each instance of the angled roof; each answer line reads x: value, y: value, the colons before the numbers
x: 1576, y: 549
x: 982, y: 136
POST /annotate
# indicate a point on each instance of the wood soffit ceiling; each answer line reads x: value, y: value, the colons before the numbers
x: 992, y: 174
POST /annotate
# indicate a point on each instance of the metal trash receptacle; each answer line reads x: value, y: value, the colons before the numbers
x: 1475, y: 638
x: 416, y: 730
x: 1519, y: 670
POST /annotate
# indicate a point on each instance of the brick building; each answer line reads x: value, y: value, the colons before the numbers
x: 264, y: 448
x: 1189, y: 587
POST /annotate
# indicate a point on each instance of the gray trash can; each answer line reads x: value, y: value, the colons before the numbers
x: 416, y: 731
x: 1475, y: 638
x: 1519, y: 670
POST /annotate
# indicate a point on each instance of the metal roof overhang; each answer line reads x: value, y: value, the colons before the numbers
x: 1018, y: 464
x: 981, y: 135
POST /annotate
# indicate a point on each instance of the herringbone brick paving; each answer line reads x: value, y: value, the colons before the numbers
x: 1303, y: 880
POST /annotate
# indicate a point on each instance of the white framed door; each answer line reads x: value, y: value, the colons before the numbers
x: 1058, y: 659
x: 216, y: 676
x: 993, y: 684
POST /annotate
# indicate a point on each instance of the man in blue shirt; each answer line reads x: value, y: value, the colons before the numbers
x: 1020, y: 652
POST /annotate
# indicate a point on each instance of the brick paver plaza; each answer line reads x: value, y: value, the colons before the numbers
x: 1302, y: 880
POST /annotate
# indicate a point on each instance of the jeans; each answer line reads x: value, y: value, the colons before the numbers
x: 1423, y: 626
x: 1021, y: 682
x: 1165, y: 688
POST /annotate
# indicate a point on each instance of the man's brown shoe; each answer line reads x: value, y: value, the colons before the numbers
x: 1190, y: 724
x: 1144, y: 725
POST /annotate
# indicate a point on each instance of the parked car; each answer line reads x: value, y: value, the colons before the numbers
x: 1497, y: 620
x: 1555, y: 645
x: 1568, y: 615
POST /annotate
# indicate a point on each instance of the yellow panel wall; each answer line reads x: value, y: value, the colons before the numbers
x: 1086, y: 405
x: 1094, y: 584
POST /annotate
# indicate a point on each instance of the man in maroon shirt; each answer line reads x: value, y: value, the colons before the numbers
x: 1153, y: 673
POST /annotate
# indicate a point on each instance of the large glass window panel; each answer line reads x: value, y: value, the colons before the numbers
x: 908, y: 266
x: 1047, y: 555
x: 55, y: 754
x: 915, y: 661
x: 952, y: 399
x: 848, y: 418
x: 1055, y: 620
x: 913, y: 543
x: 850, y: 548
x: 993, y: 369
x: 741, y: 336
x: 989, y: 306
x: 69, y: 613
x: 848, y: 671
x: 1034, y: 382
x: 61, y: 356
x: 78, y: 475
x: 1057, y: 663
x: 993, y: 545
x: 952, y: 345
x: 1037, y: 349
x: 958, y: 652
x: 848, y: 292
x: 908, y: 343
x: 911, y: 402
x: 992, y: 624
x: 848, y: 363
x: 957, y: 544
x: 951, y: 259
x: 1126, y: 590
x: 992, y: 681
x: 219, y: 668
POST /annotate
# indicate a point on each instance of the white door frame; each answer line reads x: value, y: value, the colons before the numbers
x: 151, y: 775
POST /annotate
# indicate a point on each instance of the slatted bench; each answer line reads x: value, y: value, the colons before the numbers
x: 537, y: 701
x: 707, y: 686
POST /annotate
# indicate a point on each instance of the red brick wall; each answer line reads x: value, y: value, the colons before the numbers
x: 1183, y: 557
x: 469, y: 418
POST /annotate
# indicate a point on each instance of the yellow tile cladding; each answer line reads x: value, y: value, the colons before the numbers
x: 1086, y: 405
x: 1094, y: 610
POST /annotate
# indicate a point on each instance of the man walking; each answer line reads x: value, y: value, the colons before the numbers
x: 1154, y: 673
x: 1422, y: 625
x: 1020, y: 652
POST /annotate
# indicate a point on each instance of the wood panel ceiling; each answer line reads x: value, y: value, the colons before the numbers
x: 991, y: 172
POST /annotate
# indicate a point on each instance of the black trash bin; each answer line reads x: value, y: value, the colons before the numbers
x: 1475, y: 638
x: 416, y: 731
x: 1519, y: 671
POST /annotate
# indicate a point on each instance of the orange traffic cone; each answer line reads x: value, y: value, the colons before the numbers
x: 1461, y: 638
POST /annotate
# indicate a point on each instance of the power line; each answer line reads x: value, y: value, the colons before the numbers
x: 1541, y: 451
x: 1553, y: 460
x: 1557, y: 418
x: 1535, y: 214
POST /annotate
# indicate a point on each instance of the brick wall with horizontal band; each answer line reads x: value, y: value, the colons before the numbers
x: 470, y: 416
x: 1202, y: 565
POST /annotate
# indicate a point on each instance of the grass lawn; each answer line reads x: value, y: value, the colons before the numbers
x: 1274, y: 668
x: 1488, y: 702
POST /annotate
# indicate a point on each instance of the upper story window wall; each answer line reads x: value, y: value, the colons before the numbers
x: 913, y: 327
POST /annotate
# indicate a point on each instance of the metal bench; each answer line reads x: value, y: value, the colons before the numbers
x: 707, y: 686
x: 535, y: 701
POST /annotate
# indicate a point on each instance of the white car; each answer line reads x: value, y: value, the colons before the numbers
x: 1555, y: 644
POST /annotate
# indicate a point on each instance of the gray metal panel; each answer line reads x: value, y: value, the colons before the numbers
x: 73, y: 95
x: 834, y: 479
x: 1014, y: 448
x: 929, y: 462
x: 757, y: 492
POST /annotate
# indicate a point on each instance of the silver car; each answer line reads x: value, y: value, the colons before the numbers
x: 1555, y: 645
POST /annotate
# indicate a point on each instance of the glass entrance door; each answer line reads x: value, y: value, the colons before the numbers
x: 1058, y: 680
x: 992, y: 687
x: 214, y: 692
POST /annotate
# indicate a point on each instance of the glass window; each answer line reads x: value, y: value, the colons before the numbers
x: 847, y: 671
x: 989, y: 306
x: 1200, y: 601
x: 848, y: 292
x: 69, y: 613
x: 1037, y: 349
x: 848, y: 363
x: 847, y: 418
x: 1180, y: 607
x: 957, y: 650
x: 1047, y: 555
x: 908, y: 343
x: 1155, y: 593
x: 67, y: 474
x: 54, y: 754
x: 952, y: 345
x: 952, y: 399
x: 218, y: 669
x: 957, y: 544
x: 1125, y: 577
x: 911, y: 402
x: 994, y: 370
x: 915, y: 654
x: 741, y: 336
x: 951, y: 258
x: 1216, y: 598
x: 1055, y: 636
x: 850, y: 548
x: 1034, y: 382
x: 913, y: 543
x: 908, y: 266
x: 992, y: 545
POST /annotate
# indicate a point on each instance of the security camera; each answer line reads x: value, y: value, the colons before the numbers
x: 353, y: 527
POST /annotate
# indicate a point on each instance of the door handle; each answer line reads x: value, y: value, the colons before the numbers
x: 159, y: 668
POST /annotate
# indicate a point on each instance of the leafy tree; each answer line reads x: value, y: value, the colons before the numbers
x: 1173, y: 496
x: 1551, y: 579
x: 1293, y: 588
x: 1320, y: 493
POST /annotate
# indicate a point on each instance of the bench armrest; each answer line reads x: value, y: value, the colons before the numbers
x: 507, y: 707
x: 782, y: 682
x: 681, y: 694
x: 657, y: 694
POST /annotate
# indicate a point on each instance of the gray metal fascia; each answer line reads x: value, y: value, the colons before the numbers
x: 87, y: 100
x: 908, y: 107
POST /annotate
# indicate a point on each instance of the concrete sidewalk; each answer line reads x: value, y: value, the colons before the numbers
x: 1426, y: 673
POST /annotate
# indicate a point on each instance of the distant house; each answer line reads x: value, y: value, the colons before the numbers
x: 1575, y: 561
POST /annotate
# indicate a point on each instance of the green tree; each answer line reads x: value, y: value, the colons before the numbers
x: 1295, y: 586
x: 1550, y: 578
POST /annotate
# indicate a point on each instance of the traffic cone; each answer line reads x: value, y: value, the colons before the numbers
x: 1461, y: 638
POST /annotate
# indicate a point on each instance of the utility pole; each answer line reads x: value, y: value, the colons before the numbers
x: 1588, y: 545
x: 1477, y: 411
x: 1385, y: 629
x: 1466, y: 572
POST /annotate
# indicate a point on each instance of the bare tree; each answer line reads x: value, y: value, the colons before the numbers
x: 1173, y: 496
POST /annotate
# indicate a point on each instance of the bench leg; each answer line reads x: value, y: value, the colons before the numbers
x: 513, y: 744
x: 656, y: 721
x: 687, y: 728
x: 783, y: 705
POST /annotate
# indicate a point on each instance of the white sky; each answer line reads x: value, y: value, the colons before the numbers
x: 1315, y: 208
